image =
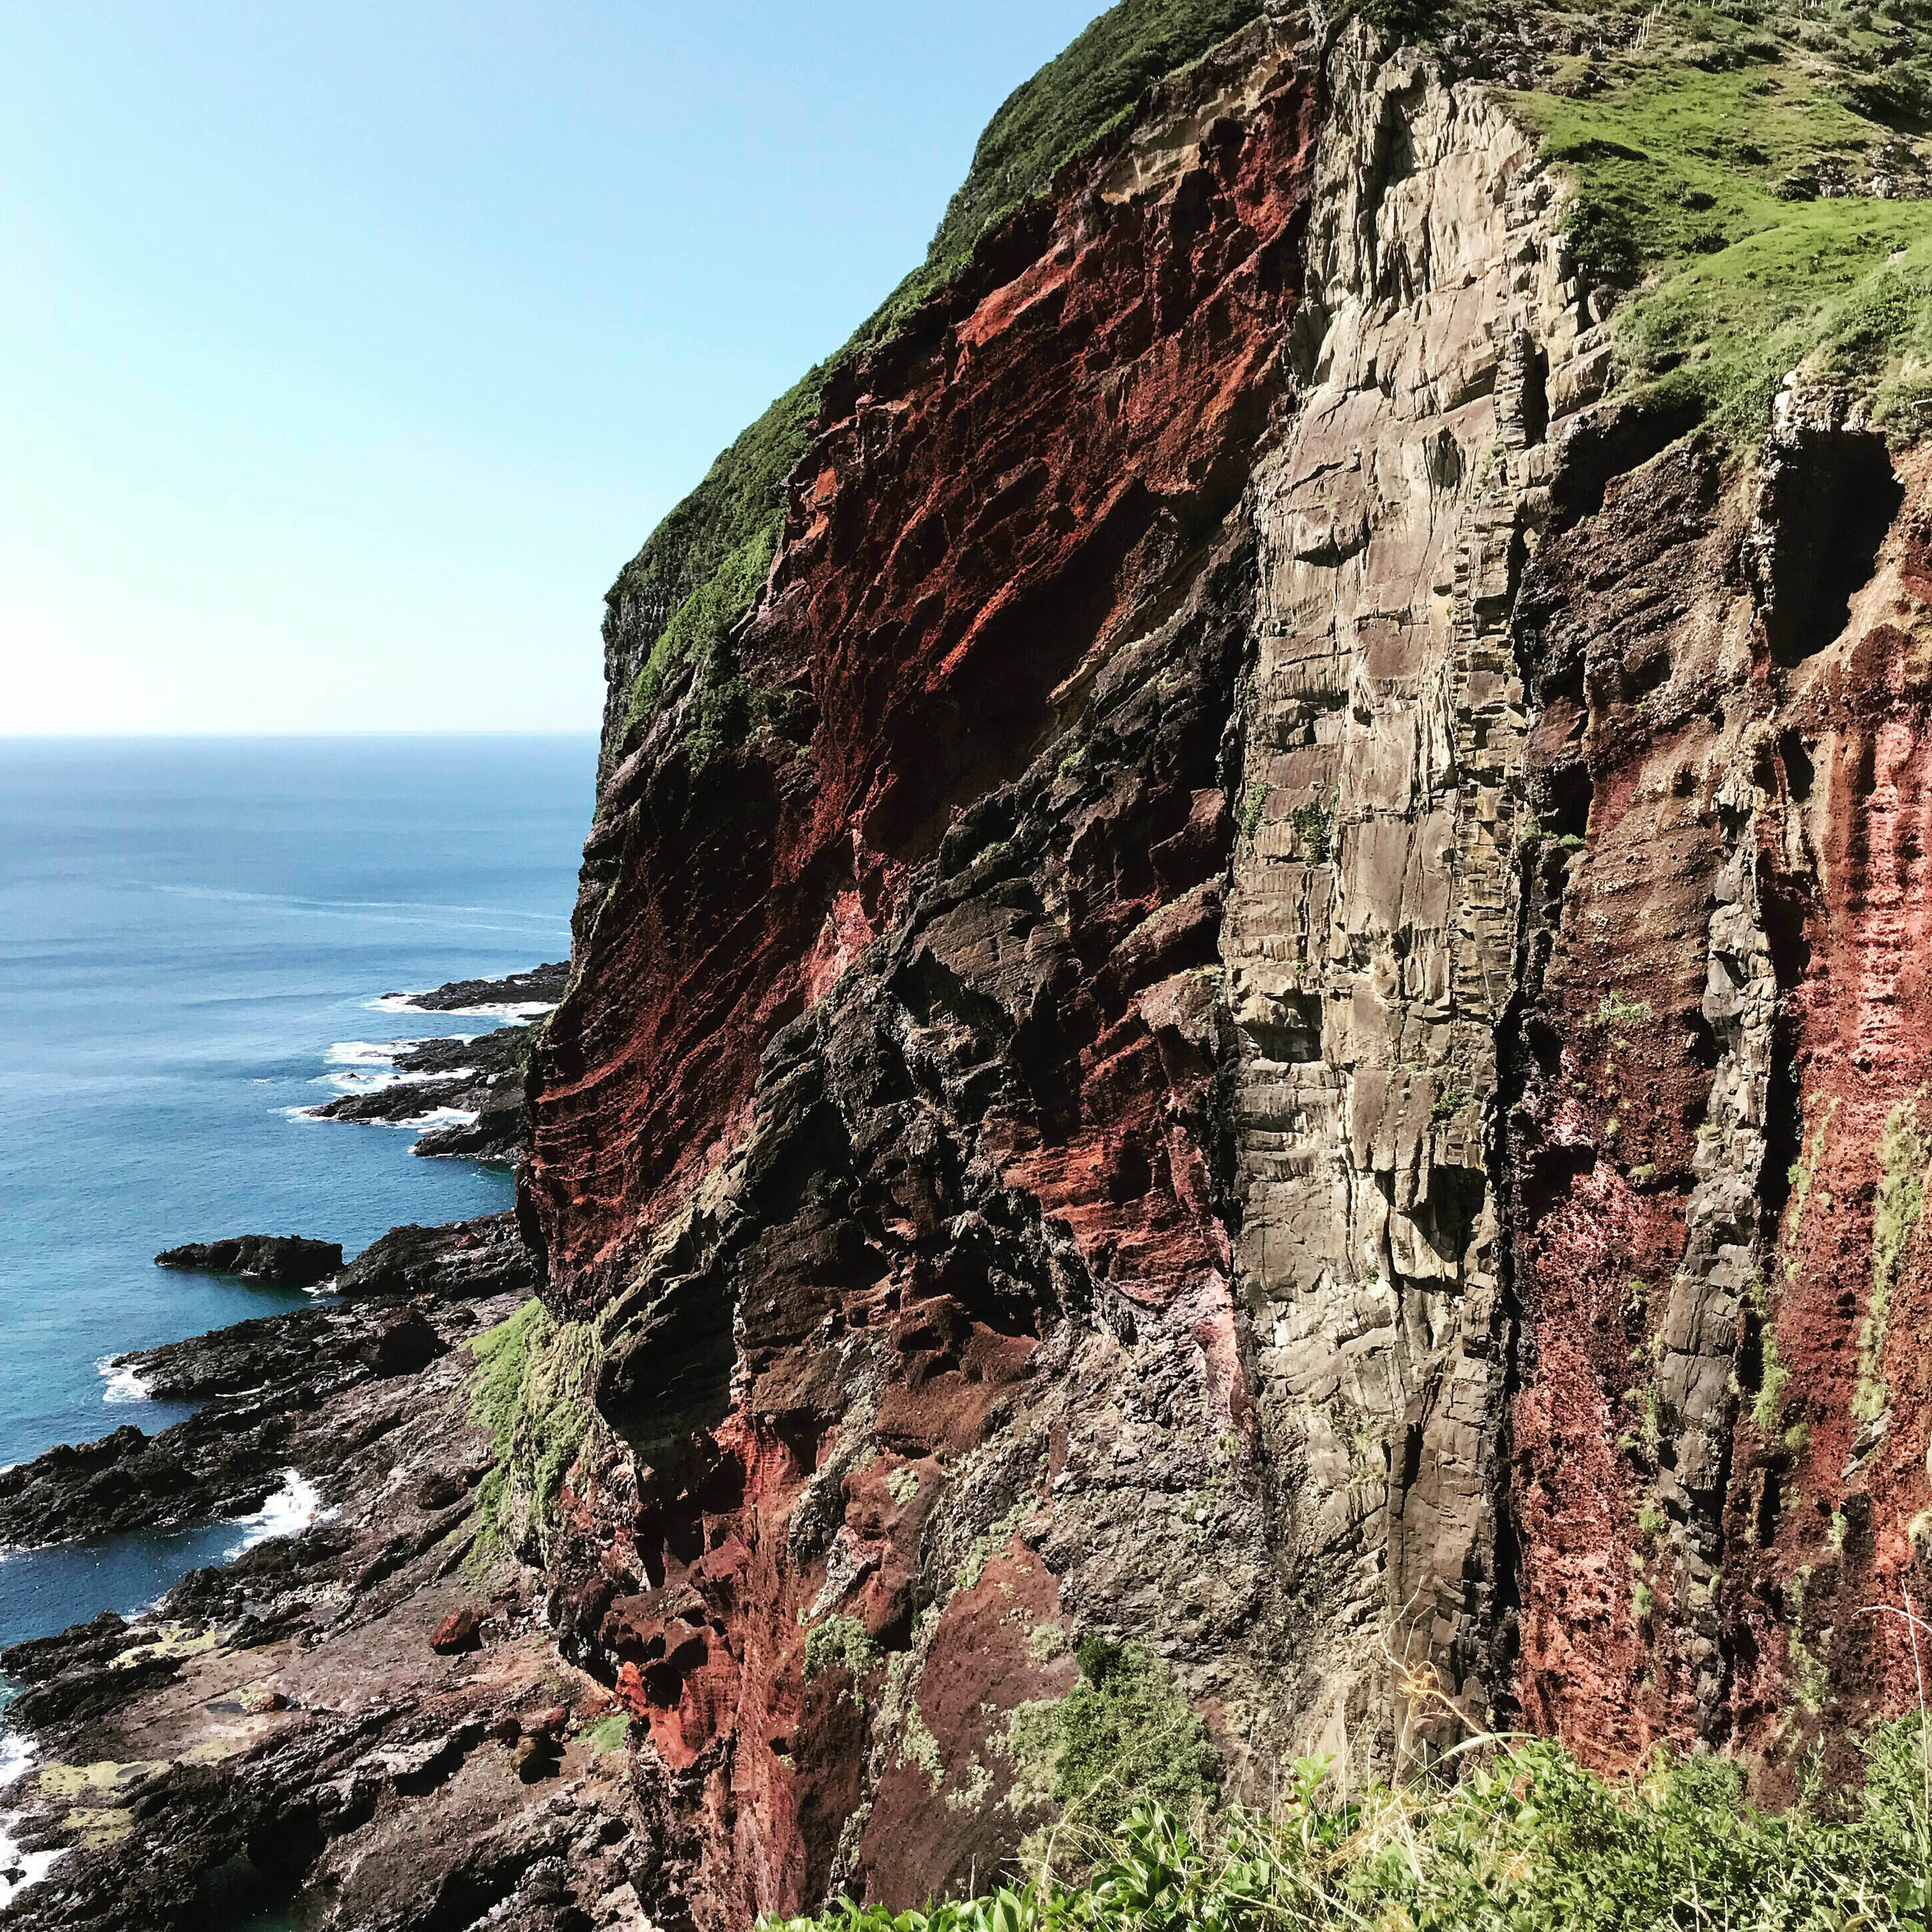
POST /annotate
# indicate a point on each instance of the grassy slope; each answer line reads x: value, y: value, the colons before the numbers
x: 702, y: 567
x: 1686, y: 155
x: 1526, y: 1842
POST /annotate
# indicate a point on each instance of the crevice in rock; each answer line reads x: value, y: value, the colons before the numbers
x: 1827, y: 496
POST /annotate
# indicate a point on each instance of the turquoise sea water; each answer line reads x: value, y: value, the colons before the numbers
x: 188, y: 929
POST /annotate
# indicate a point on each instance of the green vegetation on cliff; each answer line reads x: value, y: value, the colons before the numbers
x: 530, y: 1390
x: 1124, y: 1735
x: 675, y: 603
x: 1527, y: 1842
x: 1748, y: 172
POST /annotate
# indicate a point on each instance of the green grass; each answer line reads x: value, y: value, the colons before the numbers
x: 1684, y: 160
x: 1769, y: 1403
x: 1528, y: 1841
x: 1904, y: 1151
x: 610, y: 1733
x: 1078, y: 96
x: 701, y: 569
x: 528, y: 1392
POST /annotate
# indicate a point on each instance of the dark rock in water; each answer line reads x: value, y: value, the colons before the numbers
x: 544, y: 984
x: 465, y: 1259
x: 495, y: 1134
x: 266, y: 1386
x: 481, y: 1075
x: 286, y: 1261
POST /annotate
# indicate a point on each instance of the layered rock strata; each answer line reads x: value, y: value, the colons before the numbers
x: 1302, y: 1034
x: 1222, y: 1068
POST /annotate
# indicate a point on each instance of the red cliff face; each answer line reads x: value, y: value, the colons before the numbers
x: 1303, y: 1035
x: 992, y: 503
x: 1722, y: 1446
x: 883, y: 1095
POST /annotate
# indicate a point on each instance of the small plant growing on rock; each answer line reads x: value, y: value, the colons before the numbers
x: 1613, y: 1011
x: 1254, y: 802
x: 839, y: 1642
x: 1124, y: 1735
x: 1314, y: 825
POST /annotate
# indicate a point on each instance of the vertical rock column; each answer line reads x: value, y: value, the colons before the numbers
x: 1367, y: 948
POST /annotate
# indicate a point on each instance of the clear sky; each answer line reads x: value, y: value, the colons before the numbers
x: 350, y: 349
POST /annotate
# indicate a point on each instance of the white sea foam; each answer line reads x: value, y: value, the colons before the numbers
x: 17, y: 1754
x: 124, y: 1383
x: 436, y: 1117
x: 32, y: 1866
x: 290, y: 1510
x: 517, y: 1011
x: 364, y: 1052
x: 375, y: 1083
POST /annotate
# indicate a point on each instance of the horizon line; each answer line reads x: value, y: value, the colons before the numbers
x: 180, y: 737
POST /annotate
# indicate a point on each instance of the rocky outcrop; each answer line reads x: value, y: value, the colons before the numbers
x: 539, y: 989
x: 1222, y: 1067
x: 262, y: 1386
x: 486, y: 1256
x: 428, y: 1081
x: 994, y: 498
x: 280, y: 1261
x: 1366, y: 952
x: 270, y: 1391
x: 1725, y: 1041
x: 298, y: 1718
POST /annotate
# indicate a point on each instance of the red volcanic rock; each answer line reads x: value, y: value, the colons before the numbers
x: 461, y: 1629
x: 551, y: 1723
x: 1737, y: 1006
x: 990, y: 506
x: 1282, y: 1046
x: 986, y: 1659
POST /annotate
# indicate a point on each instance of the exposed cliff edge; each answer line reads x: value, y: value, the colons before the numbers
x: 1252, y: 980
x: 1213, y: 1058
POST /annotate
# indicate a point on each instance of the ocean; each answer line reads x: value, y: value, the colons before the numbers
x: 193, y: 936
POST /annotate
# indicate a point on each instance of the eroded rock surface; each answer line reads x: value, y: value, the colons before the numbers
x: 1303, y: 1034
x: 1230, y: 1056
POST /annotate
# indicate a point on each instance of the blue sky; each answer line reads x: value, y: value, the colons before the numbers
x: 350, y: 348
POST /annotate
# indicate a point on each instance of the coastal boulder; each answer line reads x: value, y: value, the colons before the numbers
x: 280, y: 1261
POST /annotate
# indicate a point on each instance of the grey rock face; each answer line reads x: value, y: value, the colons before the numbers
x: 1368, y: 946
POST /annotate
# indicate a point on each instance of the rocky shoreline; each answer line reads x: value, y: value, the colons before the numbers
x: 479, y: 1076
x: 534, y: 991
x: 367, y: 1710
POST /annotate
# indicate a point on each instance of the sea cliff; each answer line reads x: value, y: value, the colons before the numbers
x: 1252, y: 982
